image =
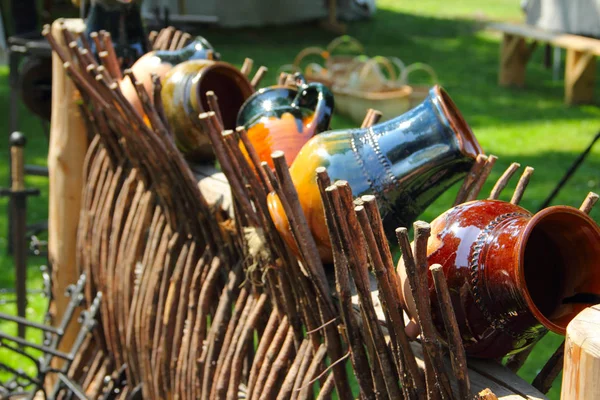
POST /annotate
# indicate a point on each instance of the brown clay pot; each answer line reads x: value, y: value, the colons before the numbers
x: 512, y: 275
x: 184, y: 98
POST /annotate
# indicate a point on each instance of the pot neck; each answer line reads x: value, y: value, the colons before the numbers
x: 410, y: 160
x: 199, y: 49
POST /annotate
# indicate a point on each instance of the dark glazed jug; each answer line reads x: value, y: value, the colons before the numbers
x: 184, y: 98
x: 512, y: 275
x: 406, y: 162
x: 285, y: 118
x: 123, y: 20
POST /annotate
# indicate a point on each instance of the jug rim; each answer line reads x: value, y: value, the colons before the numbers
x: 520, y: 257
x: 466, y: 138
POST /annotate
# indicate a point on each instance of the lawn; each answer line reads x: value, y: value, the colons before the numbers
x: 531, y: 126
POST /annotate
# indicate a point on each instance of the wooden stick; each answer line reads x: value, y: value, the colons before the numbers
x: 282, y: 79
x: 394, y: 319
x: 522, y: 185
x: 589, y: 202
x: 247, y: 67
x: 242, y: 346
x: 314, y: 267
x: 302, y: 234
x: 418, y: 289
x: 407, y: 367
x: 327, y: 388
x: 256, y: 163
x: 96, y: 38
x: 184, y: 40
x: 213, y: 105
x: 312, y: 371
x: 470, y: 179
x: 115, y: 68
x: 358, y: 355
x: 260, y: 73
x: 175, y: 40
x: 381, y: 242
x: 304, y: 365
x: 288, y: 383
x: 503, y: 181
x: 158, y: 103
x: 279, y: 366
x: 485, y: 173
x: 85, y: 42
x: 222, y: 381
x: 371, y: 118
x: 550, y: 370
x: 355, y: 248
x: 271, y: 354
x: 152, y: 38
x: 455, y: 345
x: 58, y: 49
x: 210, y: 121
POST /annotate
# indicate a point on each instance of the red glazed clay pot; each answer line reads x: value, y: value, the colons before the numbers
x: 512, y: 275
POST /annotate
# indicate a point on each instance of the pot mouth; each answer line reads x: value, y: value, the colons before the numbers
x: 468, y: 143
x: 230, y: 86
x: 559, y: 265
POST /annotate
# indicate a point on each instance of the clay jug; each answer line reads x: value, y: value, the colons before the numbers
x: 406, y: 162
x: 285, y: 118
x: 160, y: 62
x: 512, y: 275
x: 184, y: 98
x: 123, y: 20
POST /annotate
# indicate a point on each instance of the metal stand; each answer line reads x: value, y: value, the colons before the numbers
x: 569, y: 173
x: 24, y: 384
x: 18, y: 48
x: 18, y: 210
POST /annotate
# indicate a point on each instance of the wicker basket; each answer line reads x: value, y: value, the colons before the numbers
x: 359, y: 82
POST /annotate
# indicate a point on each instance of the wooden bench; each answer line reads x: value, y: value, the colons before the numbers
x: 580, y: 69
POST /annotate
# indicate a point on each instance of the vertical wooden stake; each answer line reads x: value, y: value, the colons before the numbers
x: 580, y: 77
x: 582, y: 357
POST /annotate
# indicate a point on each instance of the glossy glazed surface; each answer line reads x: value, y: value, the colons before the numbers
x: 184, y: 98
x: 285, y: 118
x: 406, y: 163
x: 509, y: 273
x: 161, y: 62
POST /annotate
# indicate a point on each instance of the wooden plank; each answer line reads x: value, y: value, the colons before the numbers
x: 581, y: 374
x: 66, y: 153
x: 580, y: 77
x: 564, y: 40
x: 513, y: 60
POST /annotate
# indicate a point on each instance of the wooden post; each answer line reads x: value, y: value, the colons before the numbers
x: 514, y: 55
x: 580, y: 77
x: 68, y: 145
x: 582, y: 357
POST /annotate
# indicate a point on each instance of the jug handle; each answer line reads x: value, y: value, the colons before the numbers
x: 317, y: 97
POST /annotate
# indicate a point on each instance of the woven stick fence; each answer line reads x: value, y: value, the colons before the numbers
x: 202, y: 305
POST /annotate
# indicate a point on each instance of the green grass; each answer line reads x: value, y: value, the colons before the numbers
x: 531, y: 126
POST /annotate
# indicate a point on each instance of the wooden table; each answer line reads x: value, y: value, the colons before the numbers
x: 580, y: 70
